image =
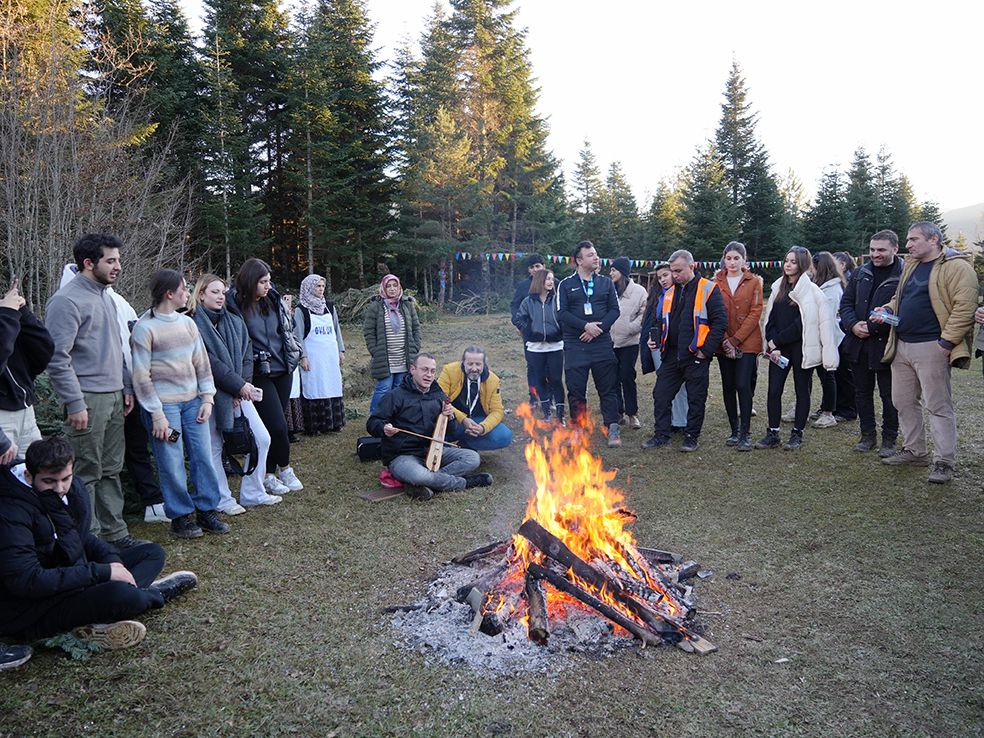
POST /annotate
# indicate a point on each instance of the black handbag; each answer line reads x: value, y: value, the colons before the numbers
x: 240, y: 441
x: 369, y: 448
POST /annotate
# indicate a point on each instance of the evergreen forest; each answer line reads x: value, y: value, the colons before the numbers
x: 283, y: 135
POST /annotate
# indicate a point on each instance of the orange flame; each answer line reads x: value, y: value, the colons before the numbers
x: 572, y: 498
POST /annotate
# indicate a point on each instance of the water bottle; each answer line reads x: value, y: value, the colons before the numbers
x: 888, y: 318
x: 782, y: 362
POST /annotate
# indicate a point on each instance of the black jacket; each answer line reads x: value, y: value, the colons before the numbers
x: 25, y: 350
x: 856, y: 304
x: 571, y: 299
x: 46, y: 551
x: 520, y: 294
x: 408, y: 408
x: 538, y: 319
x: 683, y: 309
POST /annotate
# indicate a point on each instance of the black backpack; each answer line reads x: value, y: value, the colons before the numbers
x: 240, y: 441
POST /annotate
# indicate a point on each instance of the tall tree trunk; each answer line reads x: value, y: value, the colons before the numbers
x: 442, y: 275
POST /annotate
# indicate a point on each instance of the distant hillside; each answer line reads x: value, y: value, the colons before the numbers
x: 969, y: 221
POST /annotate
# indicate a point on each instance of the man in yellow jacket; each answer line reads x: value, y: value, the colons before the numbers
x: 477, y: 402
x: 934, y: 305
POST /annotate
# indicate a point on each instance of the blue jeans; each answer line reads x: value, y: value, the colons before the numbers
x: 498, y: 437
x: 455, y: 463
x: 383, y: 386
x: 194, y: 440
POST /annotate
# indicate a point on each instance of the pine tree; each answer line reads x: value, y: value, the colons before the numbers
x: 619, y: 214
x: 930, y: 212
x: 753, y: 188
x: 663, y: 226
x: 828, y: 225
x: 708, y: 217
x: 588, y: 192
x: 341, y: 136
x: 794, y: 206
x: 863, y: 201
x: 894, y: 194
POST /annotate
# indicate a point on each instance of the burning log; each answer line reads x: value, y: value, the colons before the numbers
x: 656, y: 556
x: 487, y: 622
x: 561, y: 584
x: 536, y: 610
x: 555, y: 549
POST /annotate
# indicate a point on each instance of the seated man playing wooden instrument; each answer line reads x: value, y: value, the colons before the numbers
x: 406, y: 420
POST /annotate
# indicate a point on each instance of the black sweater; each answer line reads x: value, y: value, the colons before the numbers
x: 408, y: 408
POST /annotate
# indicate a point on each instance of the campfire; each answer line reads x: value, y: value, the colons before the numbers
x: 574, y: 552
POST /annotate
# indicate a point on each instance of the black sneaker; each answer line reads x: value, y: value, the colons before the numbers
x: 689, y: 445
x: 655, y: 442
x: 210, y: 522
x: 744, y: 442
x: 175, y: 585
x: 887, y: 448
x: 418, y: 492
x: 185, y: 527
x: 478, y: 480
x: 769, y: 440
x: 795, y: 441
x: 866, y: 443
x: 732, y: 440
x: 13, y: 656
x: 127, y: 541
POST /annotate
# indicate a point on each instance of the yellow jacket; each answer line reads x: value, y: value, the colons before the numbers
x: 452, y: 381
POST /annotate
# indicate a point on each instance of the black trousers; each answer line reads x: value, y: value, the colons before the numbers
x: 802, y: 383
x: 604, y: 372
x: 673, y: 373
x: 546, y: 369
x: 738, y: 385
x: 865, y: 380
x: 846, y: 405
x: 828, y: 385
x: 137, y: 458
x: 109, y: 601
x: 272, y: 410
x: 628, y: 398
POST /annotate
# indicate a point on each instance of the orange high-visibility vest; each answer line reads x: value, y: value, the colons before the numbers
x: 701, y: 326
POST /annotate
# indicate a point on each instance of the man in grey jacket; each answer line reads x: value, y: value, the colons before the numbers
x: 92, y: 381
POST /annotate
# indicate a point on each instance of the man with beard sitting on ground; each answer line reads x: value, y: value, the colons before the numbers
x: 415, y: 406
x: 56, y: 576
x: 473, y: 389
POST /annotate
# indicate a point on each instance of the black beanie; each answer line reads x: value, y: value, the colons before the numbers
x: 623, y: 265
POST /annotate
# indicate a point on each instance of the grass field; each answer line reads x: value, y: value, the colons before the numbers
x: 865, y: 580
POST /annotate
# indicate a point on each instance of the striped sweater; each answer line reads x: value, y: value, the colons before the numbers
x: 170, y: 364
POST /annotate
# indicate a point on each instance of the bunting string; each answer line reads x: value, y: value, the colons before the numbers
x: 505, y: 256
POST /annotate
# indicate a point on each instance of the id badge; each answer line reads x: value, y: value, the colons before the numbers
x: 588, y: 310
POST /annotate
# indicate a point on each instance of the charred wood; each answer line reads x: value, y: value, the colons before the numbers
x: 656, y: 556
x: 491, y: 549
x: 536, y: 610
x: 560, y: 583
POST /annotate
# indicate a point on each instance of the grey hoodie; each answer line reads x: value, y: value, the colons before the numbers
x: 82, y: 319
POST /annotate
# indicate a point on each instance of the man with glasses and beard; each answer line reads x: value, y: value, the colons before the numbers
x: 474, y: 393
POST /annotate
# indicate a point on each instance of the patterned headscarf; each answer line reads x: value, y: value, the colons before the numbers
x: 316, y: 305
x: 392, y: 305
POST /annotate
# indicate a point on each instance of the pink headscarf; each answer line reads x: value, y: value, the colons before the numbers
x: 392, y: 305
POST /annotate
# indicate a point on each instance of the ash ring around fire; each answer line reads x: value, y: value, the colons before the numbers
x: 478, y: 612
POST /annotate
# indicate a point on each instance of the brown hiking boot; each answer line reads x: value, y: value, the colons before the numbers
x: 905, y: 456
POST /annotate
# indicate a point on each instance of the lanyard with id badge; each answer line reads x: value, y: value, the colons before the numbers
x: 588, y: 288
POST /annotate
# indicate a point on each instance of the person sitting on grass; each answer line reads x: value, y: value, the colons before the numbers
x: 474, y: 393
x: 56, y: 576
x: 414, y: 406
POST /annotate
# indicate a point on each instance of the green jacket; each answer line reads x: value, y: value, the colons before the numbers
x: 374, y: 330
x: 953, y: 294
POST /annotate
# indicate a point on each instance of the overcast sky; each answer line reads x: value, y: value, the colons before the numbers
x: 643, y: 81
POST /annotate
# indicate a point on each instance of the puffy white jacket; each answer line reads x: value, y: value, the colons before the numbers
x: 833, y: 290
x: 819, y: 342
x: 631, y: 307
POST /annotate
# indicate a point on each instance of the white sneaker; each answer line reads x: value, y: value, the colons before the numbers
x: 265, y: 500
x: 288, y: 478
x: 234, y: 509
x: 155, y: 514
x: 789, y: 416
x: 273, y: 486
x: 826, y: 420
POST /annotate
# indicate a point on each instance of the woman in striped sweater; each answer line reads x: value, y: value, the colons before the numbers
x: 172, y: 379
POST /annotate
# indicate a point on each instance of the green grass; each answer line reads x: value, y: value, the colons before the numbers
x: 867, y: 579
